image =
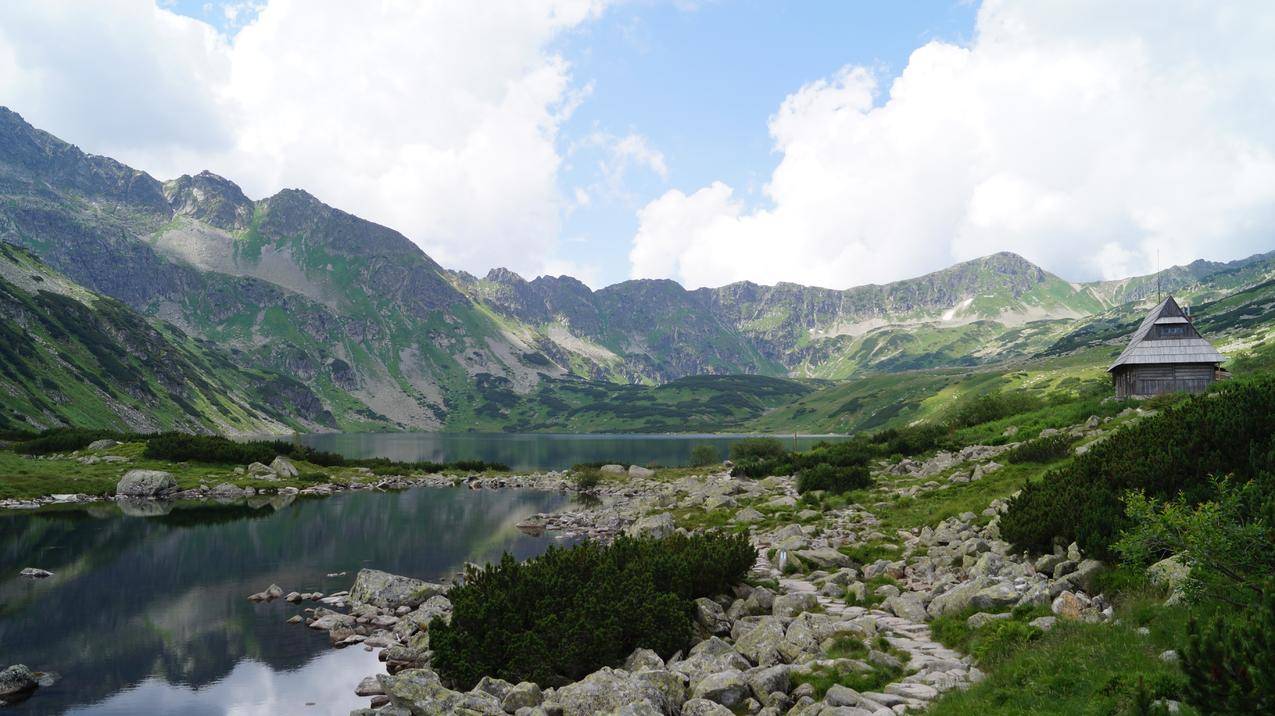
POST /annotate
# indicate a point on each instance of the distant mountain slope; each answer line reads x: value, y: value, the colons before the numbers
x: 69, y: 356
x: 385, y: 338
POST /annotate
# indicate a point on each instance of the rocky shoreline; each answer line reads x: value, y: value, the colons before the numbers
x: 757, y: 647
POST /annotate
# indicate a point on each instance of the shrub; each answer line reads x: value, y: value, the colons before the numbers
x: 756, y: 449
x: 833, y: 478
x: 1230, y: 663
x: 704, y: 455
x: 64, y: 440
x: 563, y: 615
x: 1046, y: 449
x: 993, y: 406
x: 1170, y: 454
x: 586, y: 478
x: 181, y: 447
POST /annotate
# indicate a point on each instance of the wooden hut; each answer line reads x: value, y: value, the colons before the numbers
x: 1165, y: 355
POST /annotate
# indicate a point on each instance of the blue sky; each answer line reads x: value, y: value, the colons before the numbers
x: 826, y: 142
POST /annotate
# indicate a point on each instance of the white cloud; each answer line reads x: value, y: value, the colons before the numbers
x: 439, y: 119
x: 1083, y: 135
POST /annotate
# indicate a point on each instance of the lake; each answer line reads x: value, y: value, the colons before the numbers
x: 535, y: 451
x: 147, y: 611
x: 148, y: 614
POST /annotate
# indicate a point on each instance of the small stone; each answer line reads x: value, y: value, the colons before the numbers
x: 1170, y: 656
x: 982, y: 619
x: 1043, y: 623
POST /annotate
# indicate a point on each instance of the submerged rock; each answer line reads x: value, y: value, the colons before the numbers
x: 15, y: 681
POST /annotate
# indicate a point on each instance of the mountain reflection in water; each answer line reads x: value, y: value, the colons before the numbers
x: 147, y: 609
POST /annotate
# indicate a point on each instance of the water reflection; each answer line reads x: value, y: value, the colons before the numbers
x: 535, y: 451
x: 154, y: 608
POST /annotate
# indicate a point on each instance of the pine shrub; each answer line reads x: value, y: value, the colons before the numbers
x: 558, y: 617
x: 1170, y: 454
x: 833, y: 478
x: 1230, y: 663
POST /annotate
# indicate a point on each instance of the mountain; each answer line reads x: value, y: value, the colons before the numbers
x: 70, y: 356
x: 380, y: 336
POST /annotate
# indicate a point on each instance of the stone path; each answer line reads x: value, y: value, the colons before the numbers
x: 934, y: 668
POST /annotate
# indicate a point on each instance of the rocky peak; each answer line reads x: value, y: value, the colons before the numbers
x: 211, y: 199
x: 504, y: 275
x: 29, y: 154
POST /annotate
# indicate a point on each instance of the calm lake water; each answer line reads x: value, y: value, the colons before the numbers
x: 148, y: 614
x: 534, y: 451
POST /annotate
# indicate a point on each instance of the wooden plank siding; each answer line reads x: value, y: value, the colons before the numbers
x: 1157, y: 379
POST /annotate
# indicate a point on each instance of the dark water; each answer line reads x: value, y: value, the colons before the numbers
x: 148, y: 614
x: 533, y: 451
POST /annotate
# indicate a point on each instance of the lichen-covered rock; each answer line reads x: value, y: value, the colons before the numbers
x: 391, y: 591
x: 639, y: 471
x: 704, y: 707
x: 522, y: 695
x: 761, y: 645
x: 604, y: 691
x: 283, y: 467
x: 16, y: 679
x: 790, y: 605
x: 710, y: 617
x: 422, y: 693
x: 657, y: 526
x: 727, y: 688
x: 145, y: 483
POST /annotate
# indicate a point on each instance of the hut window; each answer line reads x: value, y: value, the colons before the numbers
x: 1172, y: 331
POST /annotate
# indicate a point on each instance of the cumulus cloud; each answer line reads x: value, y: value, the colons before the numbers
x: 439, y: 119
x: 1086, y: 136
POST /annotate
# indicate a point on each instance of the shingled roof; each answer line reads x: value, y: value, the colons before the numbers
x: 1145, y: 348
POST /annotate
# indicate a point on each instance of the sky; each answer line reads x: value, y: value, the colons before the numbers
x: 825, y: 142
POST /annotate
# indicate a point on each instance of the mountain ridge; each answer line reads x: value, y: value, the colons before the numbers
x: 386, y: 338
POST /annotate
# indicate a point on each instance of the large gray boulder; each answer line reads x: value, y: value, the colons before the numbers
x: 283, y: 467
x: 727, y: 688
x: 710, y: 617
x: 657, y: 526
x: 604, y: 691
x: 704, y: 707
x: 391, y: 591
x: 639, y: 471
x: 421, y: 692
x: 761, y: 645
x: 145, y: 483
x: 790, y: 605
x: 908, y: 605
x: 523, y: 695
x: 15, y: 680
x: 97, y: 445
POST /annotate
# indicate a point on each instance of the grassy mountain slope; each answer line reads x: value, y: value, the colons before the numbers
x: 69, y: 356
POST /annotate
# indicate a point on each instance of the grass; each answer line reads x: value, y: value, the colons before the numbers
x: 1075, y: 668
x: 23, y: 477
x: 824, y: 677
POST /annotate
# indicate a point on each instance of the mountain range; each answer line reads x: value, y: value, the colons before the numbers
x: 212, y: 311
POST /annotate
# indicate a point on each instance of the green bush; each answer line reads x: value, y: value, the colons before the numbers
x: 993, y: 406
x: 1046, y: 449
x: 833, y: 478
x: 704, y: 455
x: 756, y: 449
x: 567, y: 613
x: 586, y: 478
x: 64, y: 440
x: 182, y: 447
x: 1230, y: 663
x: 1166, y: 455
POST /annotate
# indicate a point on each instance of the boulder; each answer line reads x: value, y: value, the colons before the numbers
x: 258, y: 469
x: 225, y: 490
x: 16, y: 680
x: 824, y: 558
x: 657, y: 526
x: 1171, y: 573
x: 643, y: 660
x: 1086, y: 574
x: 639, y: 471
x: 146, y: 483
x: 1067, y: 606
x: 727, y: 688
x: 604, y: 691
x: 390, y: 591
x: 98, y: 445
x: 995, y: 597
x: 956, y: 599
x: 768, y: 680
x: 419, y: 691
x: 283, y: 467
x: 790, y: 605
x: 761, y: 644
x: 710, y: 617
x: 523, y: 695
x: 35, y: 573
x: 704, y: 707
x: 908, y: 605
x: 613, y: 469
x: 748, y: 515
x: 982, y: 619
